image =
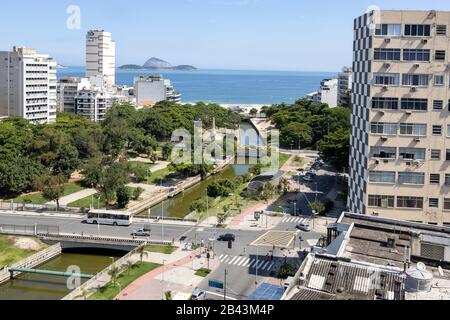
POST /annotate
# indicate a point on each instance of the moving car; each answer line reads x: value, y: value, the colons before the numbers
x: 308, y: 178
x: 312, y: 172
x: 227, y: 237
x: 303, y: 227
x: 198, y: 295
x: 140, y: 233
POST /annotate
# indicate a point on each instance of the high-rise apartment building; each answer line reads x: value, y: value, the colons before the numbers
x: 101, y: 57
x: 93, y: 104
x: 400, y: 137
x: 344, y: 87
x: 153, y: 89
x: 28, y: 85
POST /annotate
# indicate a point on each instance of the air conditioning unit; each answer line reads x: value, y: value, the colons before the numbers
x: 385, y: 88
x: 386, y: 65
x: 408, y: 163
x: 424, y: 41
x: 384, y: 138
x: 417, y: 162
x: 377, y: 162
x: 385, y: 161
x: 413, y: 89
x: 387, y: 40
x: 416, y: 139
x: 416, y: 65
x: 408, y: 113
x: 381, y: 113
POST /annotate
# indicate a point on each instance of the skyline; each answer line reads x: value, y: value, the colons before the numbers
x: 221, y: 34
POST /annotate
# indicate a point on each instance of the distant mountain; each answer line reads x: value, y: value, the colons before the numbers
x: 157, y: 64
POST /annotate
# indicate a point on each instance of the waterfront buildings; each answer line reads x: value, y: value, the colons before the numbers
x: 67, y: 91
x: 400, y: 146
x: 93, y: 104
x: 328, y: 93
x: 100, y: 58
x: 344, y: 87
x: 153, y: 89
x: 28, y: 85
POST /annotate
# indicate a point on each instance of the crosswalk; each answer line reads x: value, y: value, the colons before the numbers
x: 247, y: 262
x: 290, y: 219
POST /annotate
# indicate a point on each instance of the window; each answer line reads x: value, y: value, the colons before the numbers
x: 438, y: 104
x: 447, y: 155
x: 441, y: 30
x: 433, y: 203
x: 410, y: 202
x: 439, y: 55
x: 447, y: 179
x: 412, y: 154
x: 384, y: 103
x: 388, y: 30
x: 435, y: 154
x: 414, y: 104
x: 382, y: 176
x: 416, y: 55
x: 416, y: 80
x: 386, y: 79
x: 435, y: 178
x: 411, y: 129
x: 439, y: 80
x: 383, y: 128
x: 381, y: 201
x: 448, y: 131
x: 417, y: 30
x: 411, y: 178
x: 447, y: 204
x: 387, y: 54
x: 437, y: 130
x: 383, y: 152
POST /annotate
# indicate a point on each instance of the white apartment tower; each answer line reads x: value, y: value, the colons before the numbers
x: 101, y: 57
x: 344, y: 87
x: 400, y: 137
x: 67, y: 91
x: 153, y: 89
x: 28, y: 85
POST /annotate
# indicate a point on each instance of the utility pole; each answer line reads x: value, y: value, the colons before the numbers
x: 225, y: 286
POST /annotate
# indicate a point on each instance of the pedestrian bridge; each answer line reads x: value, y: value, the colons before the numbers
x: 97, y: 242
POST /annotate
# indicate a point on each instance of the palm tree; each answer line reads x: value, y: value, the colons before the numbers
x: 142, y: 253
x: 114, y: 273
x: 129, y: 266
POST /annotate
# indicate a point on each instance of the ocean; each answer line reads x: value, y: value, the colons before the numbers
x: 228, y: 86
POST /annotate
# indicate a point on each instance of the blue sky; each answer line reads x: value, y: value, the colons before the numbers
x: 225, y: 34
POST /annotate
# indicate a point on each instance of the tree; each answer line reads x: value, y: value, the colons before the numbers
x: 317, y: 207
x: 16, y: 175
x: 221, y: 218
x: 123, y: 197
x: 253, y: 112
x: 142, y: 253
x: 114, y: 273
x: 153, y: 156
x: 140, y: 172
x: 296, y: 134
x: 113, y: 177
x: 335, y: 148
x: 92, y: 172
x: 167, y: 151
x: 168, y: 295
x: 285, y: 185
x: 256, y: 170
x: 199, y: 206
x: 268, y: 192
x: 53, y: 188
x: 129, y: 266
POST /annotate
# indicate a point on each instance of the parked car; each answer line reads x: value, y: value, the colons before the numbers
x: 198, y: 295
x: 308, y: 178
x: 140, y: 233
x: 227, y: 237
x: 312, y: 172
x: 304, y: 227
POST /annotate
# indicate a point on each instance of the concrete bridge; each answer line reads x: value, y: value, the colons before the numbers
x: 97, y: 242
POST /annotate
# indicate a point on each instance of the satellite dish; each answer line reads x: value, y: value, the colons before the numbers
x: 441, y: 272
x: 421, y: 266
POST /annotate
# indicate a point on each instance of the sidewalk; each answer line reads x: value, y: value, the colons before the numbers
x: 64, y: 201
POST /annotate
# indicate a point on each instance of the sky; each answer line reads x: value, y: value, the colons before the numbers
x: 295, y: 35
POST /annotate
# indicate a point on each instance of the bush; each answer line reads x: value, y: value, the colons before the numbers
x: 137, y: 193
x: 286, y: 271
x: 140, y: 173
x: 123, y: 197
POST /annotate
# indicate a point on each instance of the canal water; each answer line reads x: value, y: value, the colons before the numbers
x: 43, y: 287
x: 179, y: 206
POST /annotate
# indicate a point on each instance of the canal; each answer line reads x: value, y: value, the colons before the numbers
x: 179, y: 206
x: 42, y: 287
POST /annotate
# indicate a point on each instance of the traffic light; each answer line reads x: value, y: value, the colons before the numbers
x: 230, y: 244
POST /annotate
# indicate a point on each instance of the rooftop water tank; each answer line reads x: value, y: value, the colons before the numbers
x: 418, y: 279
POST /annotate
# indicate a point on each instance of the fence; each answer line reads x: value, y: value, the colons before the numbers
x: 10, y: 205
x: 28, y: 230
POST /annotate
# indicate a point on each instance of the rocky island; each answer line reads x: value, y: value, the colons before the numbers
x: 157, y: 64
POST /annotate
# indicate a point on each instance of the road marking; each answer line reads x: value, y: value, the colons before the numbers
x: 232, y: 260
x: 263, y: 267
x: 237, y: 261
x: 271, y: 266
x: 260, y: 264
x: 247, y: 262
x: 219, y: 295
x: 221, y: 256
x: 243, y: 260
x: 200, y: 229
x: 224, y: 258
x: 254, y: 263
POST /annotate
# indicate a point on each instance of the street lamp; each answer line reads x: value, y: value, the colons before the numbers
x: 162, y: 279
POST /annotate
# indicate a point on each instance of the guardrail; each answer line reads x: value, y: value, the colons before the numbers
x: 83, y: 238
x: 10, y: 205
x: 78, y: 292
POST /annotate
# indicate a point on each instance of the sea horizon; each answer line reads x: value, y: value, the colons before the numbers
x: 240, y: 87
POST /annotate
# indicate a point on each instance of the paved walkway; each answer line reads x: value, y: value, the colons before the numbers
x: 64, y: 201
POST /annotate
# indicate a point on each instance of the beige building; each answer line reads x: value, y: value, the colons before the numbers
x: 28, y: 85
x: 100, y: 58
x: 400, y: 141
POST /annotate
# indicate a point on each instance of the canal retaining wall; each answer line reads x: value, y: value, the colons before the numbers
x: 33, y: 261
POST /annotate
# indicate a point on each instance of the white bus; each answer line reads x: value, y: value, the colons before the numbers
x: 107, y: 217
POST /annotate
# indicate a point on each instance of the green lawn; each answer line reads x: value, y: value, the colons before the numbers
x: 134, y: 164
x: 109, y: 291
x: 203, y: 272
x: 10, y: 253
x: 161, y: 249
x: 298, y: 161
x: 156, y: 177
x: 284, y: 157
x: 86, y: 202
x: 37, y: 198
